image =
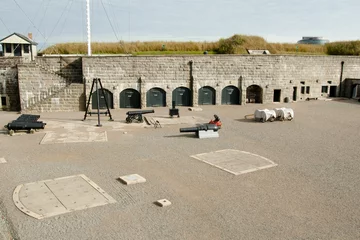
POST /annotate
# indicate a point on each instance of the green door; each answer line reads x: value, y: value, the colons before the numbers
x: 107, y: 94
x: 181, y: 96
x: 206, y: 96
x: 129, y: 98
x: 230, y: 95
x: 156, y: 97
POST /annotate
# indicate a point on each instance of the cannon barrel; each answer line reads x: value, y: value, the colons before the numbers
x: 190, y: 129
x: 204, y: 127
x: 17, y: 125
x: 139, y: 112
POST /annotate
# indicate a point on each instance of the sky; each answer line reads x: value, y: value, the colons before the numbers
x: 56, y: 21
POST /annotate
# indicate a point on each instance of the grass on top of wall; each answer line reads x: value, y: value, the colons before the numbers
x: 236, y: 44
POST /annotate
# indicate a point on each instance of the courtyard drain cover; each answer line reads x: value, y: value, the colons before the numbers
x: 235, y: 161
x: 58, y: 196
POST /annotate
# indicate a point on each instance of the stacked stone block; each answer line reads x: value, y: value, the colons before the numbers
x: 9, y: 83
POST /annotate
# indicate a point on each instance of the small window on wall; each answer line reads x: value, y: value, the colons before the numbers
x: 307, y: 90
x: 8, y: 48
x: 26, y: 48
x: 324, y: 89
x: 302, y: 90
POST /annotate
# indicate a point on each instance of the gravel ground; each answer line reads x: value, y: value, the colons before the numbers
x: 313, y: 193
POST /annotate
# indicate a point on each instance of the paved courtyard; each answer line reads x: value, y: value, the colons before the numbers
x: 276, y: 180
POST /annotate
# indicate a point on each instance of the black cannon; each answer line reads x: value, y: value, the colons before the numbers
x: 206, y: 127
x: 25, y: 122
x: 137, y: 115
x: 17, y: 125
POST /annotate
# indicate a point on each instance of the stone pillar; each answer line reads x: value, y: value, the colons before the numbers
x: 242, y: 90
x: 193, y: 85
x: 142, y: 92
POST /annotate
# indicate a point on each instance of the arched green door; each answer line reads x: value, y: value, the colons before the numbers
x: 107, y: 94
x: 206, y: 96
x: 156, y: 97
x: 182, y: 96
x: 129, y: 98
x: 230, y: 95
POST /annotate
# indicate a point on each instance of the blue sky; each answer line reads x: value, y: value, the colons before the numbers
x: 53, y: 21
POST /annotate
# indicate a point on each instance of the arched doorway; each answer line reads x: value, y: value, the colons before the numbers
x: 102, y: 105
x: 206, y: 96
x: 156, y: 97
x: 181, y: 96
x: 254, y: 94
x: 129, y: 98
x: 230, y: 95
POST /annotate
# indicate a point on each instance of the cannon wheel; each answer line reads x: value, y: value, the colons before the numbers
x: 11, y: 132
x: 128, y: 120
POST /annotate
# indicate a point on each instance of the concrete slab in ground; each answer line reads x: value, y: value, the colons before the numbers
x: 58, y: 196
x: 132, y: 179
x: 74, y: 137
x: 235, y: 161
x: 163, y: 202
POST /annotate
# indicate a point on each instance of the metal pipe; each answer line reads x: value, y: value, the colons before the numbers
x: 88, y: 26
x: 98, y: 102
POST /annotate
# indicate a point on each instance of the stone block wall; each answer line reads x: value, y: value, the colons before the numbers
x: 36, y: 84
x: 9, y: 91
x: 270, y: 72
x: 69, y: 99
x: 68, y: 67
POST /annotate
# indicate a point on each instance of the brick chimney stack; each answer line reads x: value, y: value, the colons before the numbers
x: 30, y: 36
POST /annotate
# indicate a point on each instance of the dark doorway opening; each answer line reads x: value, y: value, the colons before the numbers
x: 3, y: 101
x: 277, y: 95
x: 254, y: 94
x: 230, y: 96
x: 129, y: 98
x: 333, y: 91
x: 294, y: 93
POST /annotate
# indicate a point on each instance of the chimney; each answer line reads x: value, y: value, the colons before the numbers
x: 30, y: 36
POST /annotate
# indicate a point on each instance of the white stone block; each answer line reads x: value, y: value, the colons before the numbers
x: 2, y: 160
x: 208, y: 134
x: 163, y: 202
x: 132, y: 179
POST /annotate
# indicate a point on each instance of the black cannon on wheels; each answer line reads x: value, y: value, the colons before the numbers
x: 136, y: 115
x: 203, y: 131
x: 25, y: 122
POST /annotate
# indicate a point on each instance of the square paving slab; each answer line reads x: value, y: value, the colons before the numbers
x: 57, y: 196
x: 235, y: 161
x: 132, y: 179
x: 74, y: 137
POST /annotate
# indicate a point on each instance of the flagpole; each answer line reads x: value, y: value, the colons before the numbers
x: 88, y: 26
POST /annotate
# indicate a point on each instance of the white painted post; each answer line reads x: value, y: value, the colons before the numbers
x: 88, y: 26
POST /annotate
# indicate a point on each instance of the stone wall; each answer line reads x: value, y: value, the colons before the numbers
x: 38, y: 81
x: 270, y: 72
x: 9, y: 90
x: 67, y: 67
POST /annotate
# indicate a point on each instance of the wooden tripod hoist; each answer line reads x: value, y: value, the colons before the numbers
x: 95, y: 82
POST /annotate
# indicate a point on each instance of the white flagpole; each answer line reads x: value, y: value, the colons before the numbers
x: 88, y: 26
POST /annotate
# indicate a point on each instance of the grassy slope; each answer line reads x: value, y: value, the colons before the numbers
x: 236, y: 44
